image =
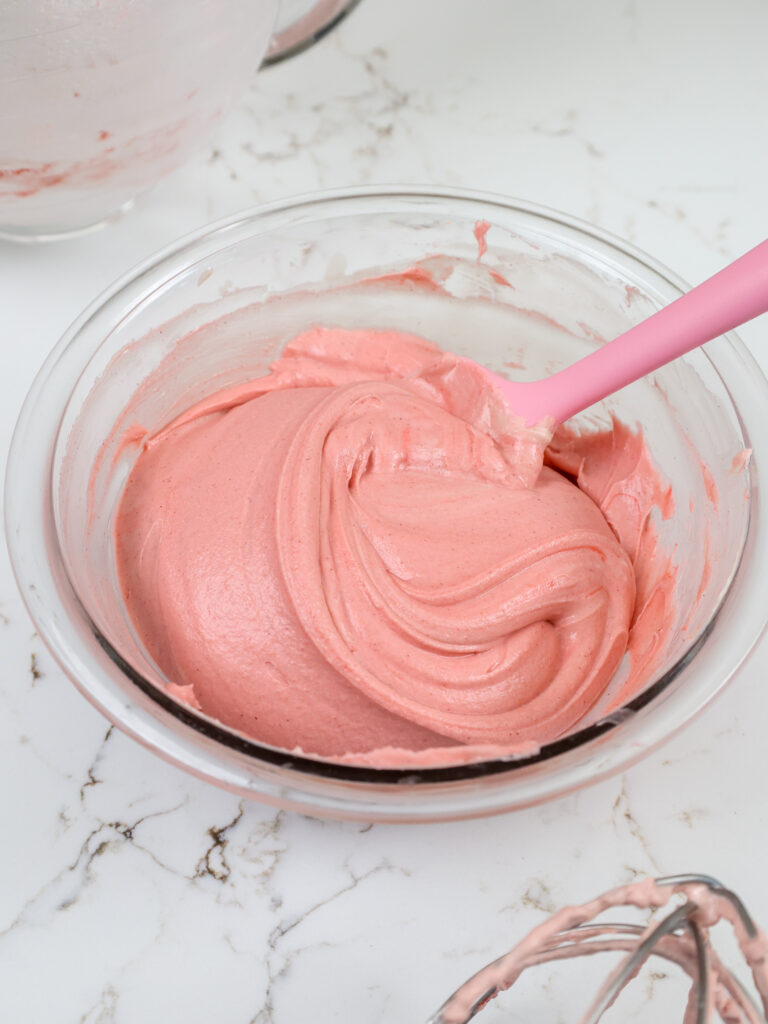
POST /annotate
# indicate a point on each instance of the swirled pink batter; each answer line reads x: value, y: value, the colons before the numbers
x: 362, y: 556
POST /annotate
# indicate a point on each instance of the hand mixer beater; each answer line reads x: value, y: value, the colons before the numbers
x: 695, y: 903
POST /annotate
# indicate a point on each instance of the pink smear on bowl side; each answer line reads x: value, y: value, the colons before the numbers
x: 741, y: 460
x: 481, y: 230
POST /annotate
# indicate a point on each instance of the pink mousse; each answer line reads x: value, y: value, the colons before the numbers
x: 364, y: 556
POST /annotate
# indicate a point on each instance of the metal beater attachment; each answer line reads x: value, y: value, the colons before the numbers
x: 682, y: 937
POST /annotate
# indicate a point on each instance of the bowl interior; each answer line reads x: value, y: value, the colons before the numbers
x: 539, y: 297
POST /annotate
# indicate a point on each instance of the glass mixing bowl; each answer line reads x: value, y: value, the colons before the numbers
x: 99, y: 101
x: 546, y: 290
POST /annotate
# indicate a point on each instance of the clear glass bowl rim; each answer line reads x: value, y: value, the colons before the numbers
x: 436, y: 784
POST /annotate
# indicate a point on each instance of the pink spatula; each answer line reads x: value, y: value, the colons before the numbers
x: 733, y: 296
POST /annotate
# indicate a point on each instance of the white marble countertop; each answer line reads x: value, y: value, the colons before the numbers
x: 130, y: 893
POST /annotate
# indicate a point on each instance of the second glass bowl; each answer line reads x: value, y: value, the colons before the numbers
x: 99, y: 101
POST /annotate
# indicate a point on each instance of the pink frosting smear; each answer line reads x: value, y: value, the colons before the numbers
x: 364, y: 556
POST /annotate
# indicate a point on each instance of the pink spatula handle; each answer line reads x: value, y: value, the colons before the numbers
x: 729, y: 298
